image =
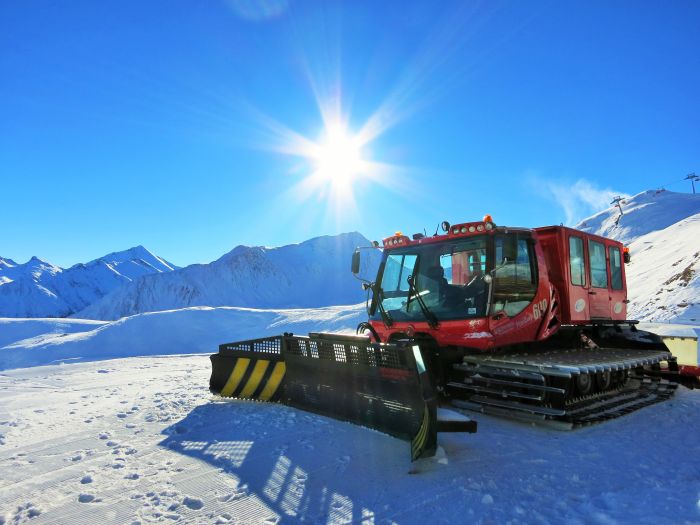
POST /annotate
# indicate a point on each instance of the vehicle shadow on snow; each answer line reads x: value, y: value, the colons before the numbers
x: 305, y: 467
x: 302, y: 466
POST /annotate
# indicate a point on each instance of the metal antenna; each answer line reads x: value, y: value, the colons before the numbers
x: 692, y: 177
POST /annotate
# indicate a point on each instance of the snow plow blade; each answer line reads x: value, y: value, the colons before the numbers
x: 380, y: 386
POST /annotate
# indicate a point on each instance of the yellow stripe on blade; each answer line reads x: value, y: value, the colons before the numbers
x: 235, y: 377
x: 274, y: 381
x: 419, y: 441
x: 255, y: 377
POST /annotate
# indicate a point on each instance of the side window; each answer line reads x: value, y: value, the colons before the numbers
x: 446, y: 263
x: 459, y: 269
x: 576, y: 265
x: 396, y: 272
x: 599, y: 271
x: 477, y: 262
x: 515, y: 276
x: 615, y: 268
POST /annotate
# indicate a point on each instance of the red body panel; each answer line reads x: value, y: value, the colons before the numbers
x: 556, y: 300
x: 581, y: 303
x: 690, y: 370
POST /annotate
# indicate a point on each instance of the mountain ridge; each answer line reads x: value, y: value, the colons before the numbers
x: 313, y: 273
x: 39, y: 288
x: 647, y: 211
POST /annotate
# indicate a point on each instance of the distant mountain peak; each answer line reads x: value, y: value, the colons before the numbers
x: 36, y: 262
x: 322, y: 241
x: 8, y: 263
x: 312, y: 273
x: 38, y: 288
x: 134, y: 252
x: 140, y: 251
x: 138, y: 254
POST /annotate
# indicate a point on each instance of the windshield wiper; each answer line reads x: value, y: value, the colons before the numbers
x: 379, y: 292
x: 427, y: 313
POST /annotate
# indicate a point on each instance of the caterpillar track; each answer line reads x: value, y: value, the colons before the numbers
x: 563, y: 388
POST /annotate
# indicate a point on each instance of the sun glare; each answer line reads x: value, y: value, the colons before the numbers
x: 334, y: 167
x: 338, y: 156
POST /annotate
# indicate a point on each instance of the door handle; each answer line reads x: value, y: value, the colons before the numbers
x: 592, y: 293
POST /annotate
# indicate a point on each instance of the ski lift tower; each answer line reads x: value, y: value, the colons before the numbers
x: 692, y: 178
x: 617, y: 201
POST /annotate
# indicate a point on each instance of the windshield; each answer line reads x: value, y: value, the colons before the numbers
x: 449, y: 277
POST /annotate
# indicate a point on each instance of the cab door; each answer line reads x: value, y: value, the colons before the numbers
x: 599, y: 289
x: 618, y: 290
x: 515, y: 310
x: 578, y: 282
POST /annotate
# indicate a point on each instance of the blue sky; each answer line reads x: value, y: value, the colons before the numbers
x: 170, y: 124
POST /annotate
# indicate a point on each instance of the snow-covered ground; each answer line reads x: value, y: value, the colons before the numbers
x: 15, y: 330
x: 141, y: 440
x: 32, y: 342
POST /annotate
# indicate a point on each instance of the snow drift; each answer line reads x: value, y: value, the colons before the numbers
x: 30, y: 342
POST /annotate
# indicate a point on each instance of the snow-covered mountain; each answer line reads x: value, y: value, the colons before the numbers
x: 646, y: 212
x: 7, y: 269
x: 311, y: 274
x: 662, y: 230
x: 664, y: 275
x: 40, y: 289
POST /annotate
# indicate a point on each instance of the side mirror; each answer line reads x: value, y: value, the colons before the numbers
x: 355, y: 267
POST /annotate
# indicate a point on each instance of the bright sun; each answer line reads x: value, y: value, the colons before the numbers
x: 338, y: 157
x: 334, y: 165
